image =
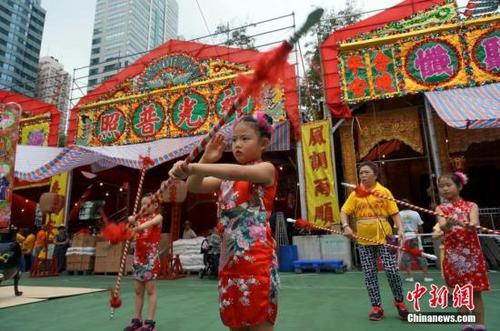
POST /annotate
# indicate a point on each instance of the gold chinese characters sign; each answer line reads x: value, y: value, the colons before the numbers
x: 322, y: 205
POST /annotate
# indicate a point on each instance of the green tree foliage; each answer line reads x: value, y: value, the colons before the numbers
x: 311, y: 87
x: 234, y: 37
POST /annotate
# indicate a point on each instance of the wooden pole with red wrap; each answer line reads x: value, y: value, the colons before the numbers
x: 303, y: 224
x: 123, y: 230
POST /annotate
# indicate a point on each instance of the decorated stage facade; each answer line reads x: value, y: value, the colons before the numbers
x: 38, y: 125
x: 177, y: 90
x: 418, y: 87
x: 163, y: 104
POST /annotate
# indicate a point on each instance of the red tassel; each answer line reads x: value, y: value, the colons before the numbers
x: 269, y: 69
x: 413, y: 251
x: 117, y: 233
x: 302, y: 224
x: 115, y: 301
x: 147, y: 161
x: 361, y: 192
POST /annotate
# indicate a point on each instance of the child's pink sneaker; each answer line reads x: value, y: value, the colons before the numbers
x: 148, y: 325
x: 135, y: 325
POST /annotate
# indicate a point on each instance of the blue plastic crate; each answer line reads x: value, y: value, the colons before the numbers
x: 337, y: 266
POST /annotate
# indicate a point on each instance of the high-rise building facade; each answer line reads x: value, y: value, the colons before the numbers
x: 53, y: 86
x: 123, y: 28
x: 21, y: 28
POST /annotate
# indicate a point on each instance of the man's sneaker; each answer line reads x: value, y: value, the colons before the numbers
x: 428, y: 279
x: 409, y: 279
x: 148, y: 325
x: 135, y: 325
x: 402, y: 309
x: 376, y: 314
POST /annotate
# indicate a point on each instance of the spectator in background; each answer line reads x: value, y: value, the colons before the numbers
x: 41, y: 237
x: 188, y: 232
x: 412, y: 226
x: 19, y: 239
x: 27, y: 248
x: 61, y: 241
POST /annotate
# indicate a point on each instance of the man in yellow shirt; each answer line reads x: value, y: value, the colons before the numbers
x: 27, y: 249
x: 371, y: 215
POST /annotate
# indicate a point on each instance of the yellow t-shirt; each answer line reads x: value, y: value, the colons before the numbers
x: 374, y: 208
x: 19, y: 238
x: 28, y: 244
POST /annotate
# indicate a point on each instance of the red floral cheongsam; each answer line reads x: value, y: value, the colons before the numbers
x: 463, y: 259
x: 248, y: 276
x: 146, y: 257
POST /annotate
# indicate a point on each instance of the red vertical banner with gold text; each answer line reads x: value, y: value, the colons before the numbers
x: 322, y: 205
x: 9, y: 124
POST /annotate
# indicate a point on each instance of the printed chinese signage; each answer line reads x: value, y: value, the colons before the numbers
x: 58, y: 185
x: 322, y: 206
x: 148, y: 119
x: 9, y: 123
x: 187, y: 96
x: 110, y: 126
x: 226, y: 99
x: 190, y: 112
x: 460, y: 57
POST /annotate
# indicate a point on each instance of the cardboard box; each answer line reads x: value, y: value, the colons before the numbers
x: 116, y: 250
x: 89, y: 241
x: 77, y: 240
x: 101, y: 249
x: 100, y: 264
x: 87, y: 262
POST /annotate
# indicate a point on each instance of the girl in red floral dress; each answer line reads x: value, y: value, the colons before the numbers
x: 463, y: 262
x: 248, y: 278
x: 146, y: 263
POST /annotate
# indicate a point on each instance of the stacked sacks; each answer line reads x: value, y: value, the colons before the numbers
x: 189, y: 251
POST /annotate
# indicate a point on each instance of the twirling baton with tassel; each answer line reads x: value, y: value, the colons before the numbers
x: 115, y: 234
x: 268, y: 68
x: 363, y: 191
x: 303, y: 224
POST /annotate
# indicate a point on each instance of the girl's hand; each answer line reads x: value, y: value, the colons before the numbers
x: 401, y: 237
x: 131, y: 219
x: 180, y: 170
x: 214, y: 149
